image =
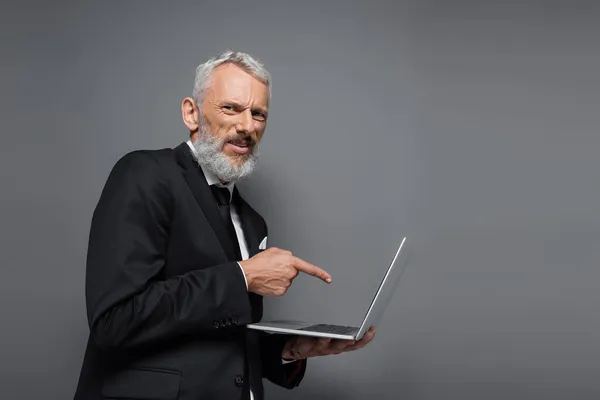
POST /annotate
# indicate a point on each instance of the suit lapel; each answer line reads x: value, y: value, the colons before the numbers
x: 251, y: 220
x: 251, y: 223
x: 197, y: 182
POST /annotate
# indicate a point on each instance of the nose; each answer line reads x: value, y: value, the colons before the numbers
x: 246, y: 123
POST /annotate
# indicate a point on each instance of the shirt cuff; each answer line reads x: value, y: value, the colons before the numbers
x: 244, y: 275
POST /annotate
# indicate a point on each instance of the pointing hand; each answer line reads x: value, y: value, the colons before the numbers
x: 271, y: 272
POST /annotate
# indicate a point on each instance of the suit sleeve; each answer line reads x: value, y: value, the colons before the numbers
x: 288, y: 375
x: 129, y: 303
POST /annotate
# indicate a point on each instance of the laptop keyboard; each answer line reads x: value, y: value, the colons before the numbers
x: 335, y: 329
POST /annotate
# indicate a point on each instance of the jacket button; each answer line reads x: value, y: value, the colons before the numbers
x: 216, y: 325
x: 239, y: 381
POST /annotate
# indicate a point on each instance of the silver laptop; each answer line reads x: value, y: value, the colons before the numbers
x: 378, y: 305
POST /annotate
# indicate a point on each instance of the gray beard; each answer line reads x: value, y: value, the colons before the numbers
x: 209, y: 153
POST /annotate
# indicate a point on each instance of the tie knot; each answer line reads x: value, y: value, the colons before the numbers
x: 222, y: 195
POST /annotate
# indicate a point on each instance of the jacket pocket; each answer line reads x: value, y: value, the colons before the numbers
x: 142, y: 384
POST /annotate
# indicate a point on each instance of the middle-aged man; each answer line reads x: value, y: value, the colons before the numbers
x: 177, y: 261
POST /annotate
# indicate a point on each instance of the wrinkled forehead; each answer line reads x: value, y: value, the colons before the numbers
x: 230, y: 82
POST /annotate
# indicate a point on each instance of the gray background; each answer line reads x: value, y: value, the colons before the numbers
x: 472, y: 127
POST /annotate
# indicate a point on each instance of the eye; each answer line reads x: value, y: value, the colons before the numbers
x: 259, y: 115
x: 227, y: 107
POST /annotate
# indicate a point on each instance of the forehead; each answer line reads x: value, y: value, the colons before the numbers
x: 231, y: 82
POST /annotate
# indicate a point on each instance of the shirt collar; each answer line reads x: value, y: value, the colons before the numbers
x: 211, y: 178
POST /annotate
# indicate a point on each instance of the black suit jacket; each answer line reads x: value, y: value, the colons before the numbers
x: 167, y: 304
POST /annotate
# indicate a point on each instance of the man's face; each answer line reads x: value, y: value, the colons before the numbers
x: 231, y: 122
x: 235, y: 110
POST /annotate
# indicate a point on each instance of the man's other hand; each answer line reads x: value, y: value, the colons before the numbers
x: 271, y: 272
x: 301, y: 347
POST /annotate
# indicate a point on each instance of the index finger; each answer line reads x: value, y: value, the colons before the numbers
x: 310, y: 269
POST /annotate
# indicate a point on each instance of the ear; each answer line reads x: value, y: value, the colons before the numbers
x: 190, y: 114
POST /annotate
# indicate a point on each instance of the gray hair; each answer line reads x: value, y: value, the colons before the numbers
x: 244, y: 61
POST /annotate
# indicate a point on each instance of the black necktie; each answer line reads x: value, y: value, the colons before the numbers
x: 223, y: 197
